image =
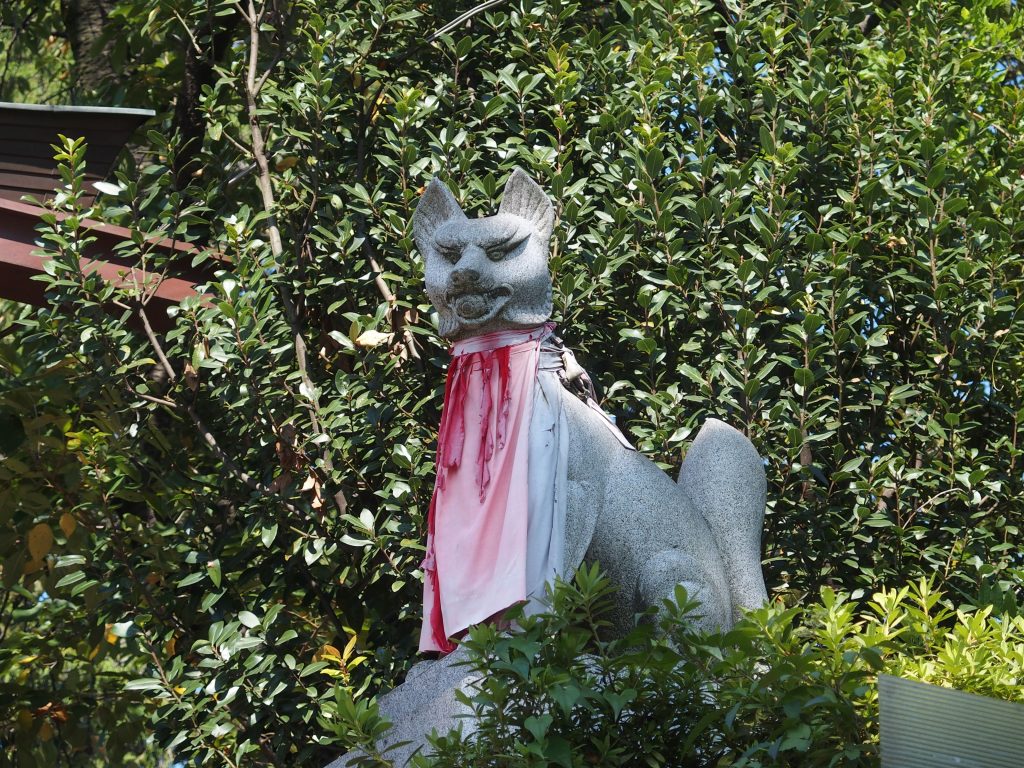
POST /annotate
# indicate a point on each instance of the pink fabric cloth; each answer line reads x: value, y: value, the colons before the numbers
x: 475, y: 565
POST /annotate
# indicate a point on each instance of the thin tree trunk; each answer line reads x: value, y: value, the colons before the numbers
x: 84, y: 21
x: 204, y: 50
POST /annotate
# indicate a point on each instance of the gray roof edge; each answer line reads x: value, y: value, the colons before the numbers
x: 88, y: 110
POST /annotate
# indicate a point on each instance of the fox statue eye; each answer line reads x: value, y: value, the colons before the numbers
x: 507, y: 248
x: 451, y: 254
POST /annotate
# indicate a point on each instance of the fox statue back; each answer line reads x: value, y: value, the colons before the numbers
x: 646, y: 531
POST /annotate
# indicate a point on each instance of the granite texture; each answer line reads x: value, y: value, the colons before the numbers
x: 723, y: 476
x: 643, y: 528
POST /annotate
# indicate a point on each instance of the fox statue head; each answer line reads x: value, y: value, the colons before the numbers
x: 486, y: 274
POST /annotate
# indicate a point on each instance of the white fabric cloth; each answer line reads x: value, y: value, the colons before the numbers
x: 496, y: 530
x: 548, y: 485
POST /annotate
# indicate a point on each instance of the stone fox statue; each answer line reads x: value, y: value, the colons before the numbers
x: 488, y: 280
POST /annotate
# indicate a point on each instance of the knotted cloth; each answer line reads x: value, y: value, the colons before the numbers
x: 495, y: 530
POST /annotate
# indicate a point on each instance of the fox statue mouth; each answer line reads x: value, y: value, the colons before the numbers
x: 478, y: 304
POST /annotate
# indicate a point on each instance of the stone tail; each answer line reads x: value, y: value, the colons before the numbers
x: 723, y: 476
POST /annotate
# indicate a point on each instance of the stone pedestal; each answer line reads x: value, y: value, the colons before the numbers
x: 424, y: 703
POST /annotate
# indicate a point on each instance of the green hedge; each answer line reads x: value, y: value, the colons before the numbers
x: 785, y: 687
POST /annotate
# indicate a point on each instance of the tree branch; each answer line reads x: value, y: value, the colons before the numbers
x: 200, y: 425
x: 164, y: 362
x: 264, y: 184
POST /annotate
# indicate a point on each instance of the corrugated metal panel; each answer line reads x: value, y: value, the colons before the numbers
x: 27, y: 167
x: 927, y: 726
x: 65, y: 109
x: 38, y: 185
x: 36, y: 152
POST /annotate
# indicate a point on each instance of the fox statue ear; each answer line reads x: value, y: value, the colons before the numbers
x: 437, y: 206
x: 523, y: 197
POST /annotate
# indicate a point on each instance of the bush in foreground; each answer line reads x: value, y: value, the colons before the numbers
x: 787, y: 686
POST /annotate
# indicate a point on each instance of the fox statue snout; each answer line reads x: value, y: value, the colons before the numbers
x: 473, y: 300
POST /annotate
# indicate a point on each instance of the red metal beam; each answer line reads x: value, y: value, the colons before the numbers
x: 19, y: 262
